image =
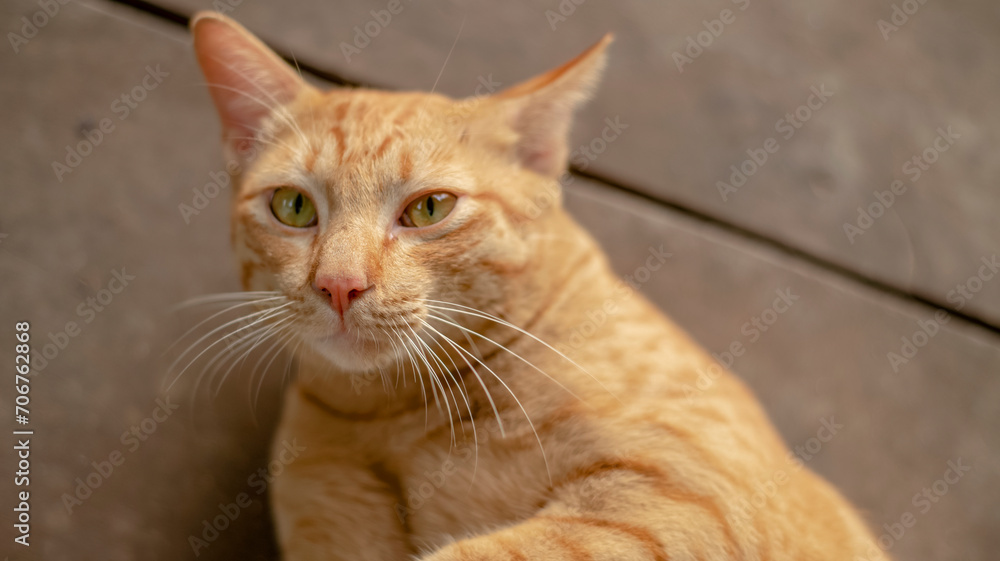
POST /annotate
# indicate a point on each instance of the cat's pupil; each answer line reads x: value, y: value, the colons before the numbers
x: 298, y: 203
x: 430, y: 206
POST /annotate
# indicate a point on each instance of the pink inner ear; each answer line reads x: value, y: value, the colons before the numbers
x: 246, y: 79
x: 544, y: 108
x: 541, y: 159
x: 239, y: 112
x: 543, y: 123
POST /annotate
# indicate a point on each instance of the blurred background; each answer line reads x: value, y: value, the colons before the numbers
x: 843, y: 152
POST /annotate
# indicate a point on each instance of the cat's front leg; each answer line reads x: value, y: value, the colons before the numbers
x: 328, y: 502
x: 559, y: 538
x: 619, y: 511
x: 336, y: 512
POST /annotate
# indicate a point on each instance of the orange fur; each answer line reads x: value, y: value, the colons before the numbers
x: 530, y: 455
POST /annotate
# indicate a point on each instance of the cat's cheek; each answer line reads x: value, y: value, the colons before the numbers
x: 270, y: 261
x: 506, y: 256
x: 252, y: 277
x: 254, y: 273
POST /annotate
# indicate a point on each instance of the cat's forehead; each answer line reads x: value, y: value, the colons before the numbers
x: 368, y: 113
x: 361, y: 143
x: 348, y: 129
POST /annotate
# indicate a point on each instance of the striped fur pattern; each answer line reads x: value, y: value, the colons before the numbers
x: 446, y: 415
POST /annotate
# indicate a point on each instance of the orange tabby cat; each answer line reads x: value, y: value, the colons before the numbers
x: 414, y: 249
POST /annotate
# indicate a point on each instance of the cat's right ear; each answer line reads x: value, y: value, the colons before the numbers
x: 541, y: 109
x: 247, y: 80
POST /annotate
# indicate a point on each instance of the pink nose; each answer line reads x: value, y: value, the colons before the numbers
x: 341, y: 291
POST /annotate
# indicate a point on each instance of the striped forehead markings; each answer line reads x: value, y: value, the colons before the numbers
x: 355, y: 111
x: 341, y: 138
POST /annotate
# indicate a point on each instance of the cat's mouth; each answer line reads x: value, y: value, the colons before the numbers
x: 354, y: 349
x: 346, y: 338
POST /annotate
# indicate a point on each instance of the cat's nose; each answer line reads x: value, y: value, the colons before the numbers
x: 340, y: 291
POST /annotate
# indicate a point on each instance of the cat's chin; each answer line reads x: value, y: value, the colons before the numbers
x: 349, y: 354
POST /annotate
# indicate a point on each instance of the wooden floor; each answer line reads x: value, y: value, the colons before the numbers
x: 879, y: 209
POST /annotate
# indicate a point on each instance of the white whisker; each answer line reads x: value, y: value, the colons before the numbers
x: 465, y: 396
x: 478, y: 313
x: 245, y: 342
x: 283, y: 340
x: 271, y: 331
x: 221, y: 357
x: 516, y: 400
x: 277, y: 109
x: 224, y: 296
x: 512, y: 353
x: 213, y: 316
x: 451, y: 373
x: 431, y: 373
x: 441, y: 384
x: 263, y: 316
x: 417, y: 376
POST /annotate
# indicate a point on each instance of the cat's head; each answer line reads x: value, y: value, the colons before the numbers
x: 371, y: 211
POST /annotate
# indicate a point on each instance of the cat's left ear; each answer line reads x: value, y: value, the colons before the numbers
x: 247, y: 80
x: 541, y: 109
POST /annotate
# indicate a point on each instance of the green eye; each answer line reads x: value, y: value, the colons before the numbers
x: 427, y: 210
x: 292, y: 208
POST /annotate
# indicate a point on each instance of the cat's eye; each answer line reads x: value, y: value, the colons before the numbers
x: 293, y: 208
x: 428, y: 209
